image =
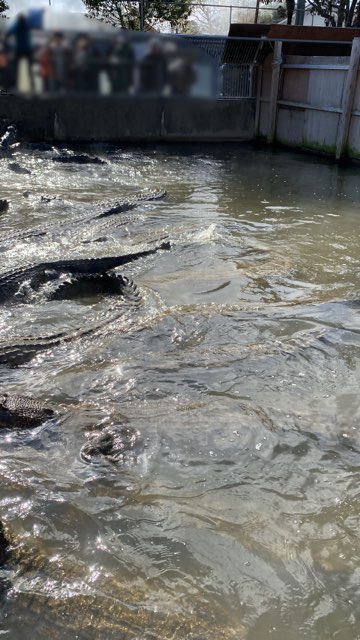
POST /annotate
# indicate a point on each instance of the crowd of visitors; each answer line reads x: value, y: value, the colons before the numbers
x: 68, y: 62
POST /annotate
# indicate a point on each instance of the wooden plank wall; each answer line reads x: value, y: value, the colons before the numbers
x: 310, y: 103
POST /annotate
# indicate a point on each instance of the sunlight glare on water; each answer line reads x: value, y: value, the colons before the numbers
x: 239, y: 515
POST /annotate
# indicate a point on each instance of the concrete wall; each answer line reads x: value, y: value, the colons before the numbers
x: 73, y: 118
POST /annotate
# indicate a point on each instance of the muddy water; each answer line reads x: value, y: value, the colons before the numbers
x: 240, y: 516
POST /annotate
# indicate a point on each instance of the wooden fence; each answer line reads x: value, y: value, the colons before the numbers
x: 311, y: 102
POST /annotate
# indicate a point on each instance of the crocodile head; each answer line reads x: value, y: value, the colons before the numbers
x: 114, y: 443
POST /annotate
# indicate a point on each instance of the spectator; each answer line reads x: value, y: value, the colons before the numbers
x: 20, y: 31
x: 83, y: 66
x: 153, y: 73
x: 45, y: 66
x: 121, y: 64
x: 4, y: 60
x: 59, y: 63
x: 356, y: 21
x: 181, y: 76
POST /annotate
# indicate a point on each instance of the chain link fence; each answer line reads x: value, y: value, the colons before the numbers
x: 237, y: 58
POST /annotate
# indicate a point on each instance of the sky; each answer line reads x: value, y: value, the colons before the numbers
x: 62, y: 5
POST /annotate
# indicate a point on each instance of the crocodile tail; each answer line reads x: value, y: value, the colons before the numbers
x: 130, y: 290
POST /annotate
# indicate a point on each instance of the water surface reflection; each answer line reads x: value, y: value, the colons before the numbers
x: 239, y: 519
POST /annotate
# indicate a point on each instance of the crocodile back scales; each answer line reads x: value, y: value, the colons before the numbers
x: 101, y: 210
x: 15, y: 352
x: 37, y: 274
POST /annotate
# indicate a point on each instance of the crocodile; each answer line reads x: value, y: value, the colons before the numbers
x: 114, y: 443
x: 4, y: 205
x: 15, y: 352
x: 81, y: 158
x: 88, y: 284
x: 58, y: 595
x: 100, y: 210
x: 17, y: 411
x: 4, y: 545
x: 15, y: 284
x: 7, y: 140
x: 17, y: 168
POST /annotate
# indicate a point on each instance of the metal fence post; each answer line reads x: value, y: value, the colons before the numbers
x: 259, y: 80
x: 274, y: 91
x: 142, y: 14
x: 256, y: 17
x: 348, y: 99
x: 300, y: 13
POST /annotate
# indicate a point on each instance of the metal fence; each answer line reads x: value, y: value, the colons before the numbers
x: 237, y: 58
x: 238, y: 81
x: 214, y: 46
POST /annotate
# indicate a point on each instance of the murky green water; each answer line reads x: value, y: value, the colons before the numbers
x: 240, y: 518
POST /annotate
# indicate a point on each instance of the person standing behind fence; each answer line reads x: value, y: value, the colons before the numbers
x: 181, y: 76
x: 121, y: 65
x: 60, y: 59
x: 84, y: 71
x: 4, y: 61
x: 20, y: 31
x: 356, y: 22
x: 45, y: 66
x: 153, y: 70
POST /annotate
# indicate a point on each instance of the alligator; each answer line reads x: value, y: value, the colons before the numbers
x: 15, y: 284
x: 4, y: 206
x: 17, y: 168
x: 100, y: 210
x: 4, y: 545
x: 81, y: 158
x: 18, y: 351
x: 17, y: 411
x: 88, y: 284
x: 114, y: 443
x: 7, y: 140
x: 58, y: 595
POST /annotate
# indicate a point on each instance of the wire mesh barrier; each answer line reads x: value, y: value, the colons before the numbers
x: 214, y: 46
x: 238, y: 81
x: 237, y: 59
